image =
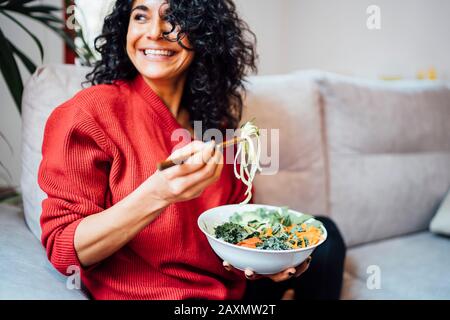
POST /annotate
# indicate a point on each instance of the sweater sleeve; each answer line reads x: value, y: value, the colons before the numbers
x: 74, y: 174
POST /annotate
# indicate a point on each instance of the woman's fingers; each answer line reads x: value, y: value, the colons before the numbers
x: 210, y: 173
x: 202, y: 156
x: 230, y: 268
x: 200, y: 179
x: 251, y: 275
x: 195, y: 161
x: 281, y: 276
x: 188, y: 150
x: 291, y: 272
x: 188, y: 180
x: 227, y: 266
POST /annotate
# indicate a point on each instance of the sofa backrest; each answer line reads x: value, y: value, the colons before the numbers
x: 373, y: 156
x: 388, y: 149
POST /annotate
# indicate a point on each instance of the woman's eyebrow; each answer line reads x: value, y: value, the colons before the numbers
x: 140, y: 7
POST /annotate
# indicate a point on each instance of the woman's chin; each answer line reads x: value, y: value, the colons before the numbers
x: 156, y: 74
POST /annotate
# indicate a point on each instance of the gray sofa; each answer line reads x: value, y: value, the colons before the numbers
x: 373, y: 156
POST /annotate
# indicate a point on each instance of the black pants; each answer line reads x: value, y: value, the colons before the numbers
x: 322, y: 280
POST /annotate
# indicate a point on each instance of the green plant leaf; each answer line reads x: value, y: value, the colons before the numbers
x: 31, y: 67
x: 42, y: 18
x: 15, y: 3
x: 10, y: 71
x: 43, y: 14
x: 36, y: 40
x: 40, y: 8
x: 47, y: 18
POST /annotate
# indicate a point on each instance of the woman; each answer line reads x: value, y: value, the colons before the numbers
x: 130, y: 228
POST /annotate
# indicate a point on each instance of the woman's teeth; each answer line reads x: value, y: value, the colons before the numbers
x: 166, y: 53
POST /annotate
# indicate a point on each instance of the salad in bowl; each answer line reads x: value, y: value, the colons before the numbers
x: 265, y: 239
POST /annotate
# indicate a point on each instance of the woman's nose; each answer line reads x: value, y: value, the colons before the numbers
x: 155, y: 29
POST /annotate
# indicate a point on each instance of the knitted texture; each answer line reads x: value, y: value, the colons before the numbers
x: 99, y: 147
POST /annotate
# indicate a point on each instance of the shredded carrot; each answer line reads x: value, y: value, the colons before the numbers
x: 288, y: 229
x: 286, y: 236
x: 250, y: 243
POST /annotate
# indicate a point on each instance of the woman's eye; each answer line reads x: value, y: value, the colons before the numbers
x: 140, y: 18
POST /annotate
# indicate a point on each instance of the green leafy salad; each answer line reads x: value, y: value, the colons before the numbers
x: 270, y: 229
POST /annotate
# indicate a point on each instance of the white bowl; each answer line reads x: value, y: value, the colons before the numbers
x: 258, y: 260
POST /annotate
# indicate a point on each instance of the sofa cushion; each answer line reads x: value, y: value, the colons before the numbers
x: 388, y: 150
x: 25, y: 272
x: 47, y: 88
x: 440, y: 223
x: 411, y: 267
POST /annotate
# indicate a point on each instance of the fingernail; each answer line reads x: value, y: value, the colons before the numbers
x: 308, y: 260
x: 248, y: 274
x: 226, y: 265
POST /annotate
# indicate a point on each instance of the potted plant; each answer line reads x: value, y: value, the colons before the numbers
x: 47, y: 15
x: 31, y: 9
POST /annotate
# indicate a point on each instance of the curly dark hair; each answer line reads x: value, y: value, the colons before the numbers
x: 224, y: 54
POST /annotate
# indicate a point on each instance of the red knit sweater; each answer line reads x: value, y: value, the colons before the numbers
x: 100, y: 146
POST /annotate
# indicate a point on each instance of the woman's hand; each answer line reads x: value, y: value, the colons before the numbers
x: 278, y: 277
x: 100, y: 235
x: 188, y: 180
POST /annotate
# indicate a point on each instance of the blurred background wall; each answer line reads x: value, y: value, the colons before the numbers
x: 292, y: 34
x: 333, y: 35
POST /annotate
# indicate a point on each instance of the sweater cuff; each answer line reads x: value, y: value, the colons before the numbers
x: 68, y: 256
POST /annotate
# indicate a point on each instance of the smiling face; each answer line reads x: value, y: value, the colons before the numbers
x: 153, y: 56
